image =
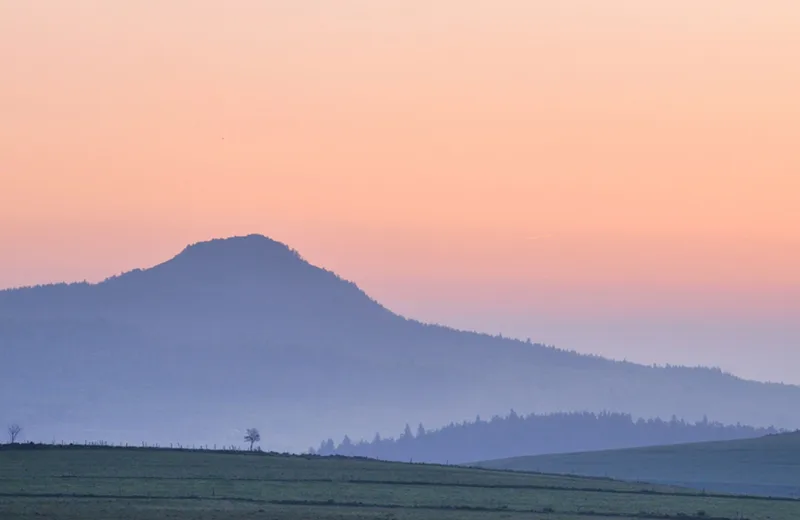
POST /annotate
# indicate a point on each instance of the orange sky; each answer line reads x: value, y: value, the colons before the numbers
x: 650, y: 148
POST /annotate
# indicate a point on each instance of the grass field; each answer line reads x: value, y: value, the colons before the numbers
x: 118, y: 483
x: 767, y: 466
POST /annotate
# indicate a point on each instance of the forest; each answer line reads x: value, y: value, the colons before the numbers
x: 515, y: 435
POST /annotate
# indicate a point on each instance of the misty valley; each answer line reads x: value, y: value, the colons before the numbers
x: 399, y: 260
x: 239, y: 349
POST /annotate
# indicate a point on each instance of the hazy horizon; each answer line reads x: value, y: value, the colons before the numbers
x: 618, y: 180
x: 244, y: 329
x: 594, y: 337
x: 322, y: 258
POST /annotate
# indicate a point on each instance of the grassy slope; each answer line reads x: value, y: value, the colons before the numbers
x: 141, y: 484
x: 768, y: 465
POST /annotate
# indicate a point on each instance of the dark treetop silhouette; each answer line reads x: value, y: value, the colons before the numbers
x: 514, y: 434
x: 13, y: 433
x: 252, y: 436
x: 244, y: 327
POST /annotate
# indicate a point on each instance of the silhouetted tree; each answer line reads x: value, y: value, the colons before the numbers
x: 252, y: 436
x: 326, y: 448
x: 13, y: 432
x: 346, y: 447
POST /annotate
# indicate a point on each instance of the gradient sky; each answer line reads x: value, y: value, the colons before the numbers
x: 618, y: 177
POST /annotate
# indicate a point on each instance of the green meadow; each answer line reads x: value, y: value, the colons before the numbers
x: 126, y: 483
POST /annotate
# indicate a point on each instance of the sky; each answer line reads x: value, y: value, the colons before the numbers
x: 617, y: 177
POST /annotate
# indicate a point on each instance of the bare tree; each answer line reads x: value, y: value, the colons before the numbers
x: 13, y: 432
x: 252, y: 437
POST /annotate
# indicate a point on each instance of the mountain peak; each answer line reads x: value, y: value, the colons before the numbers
x: 250, y: 257
x: 247, y: 245
x: 248, y: 253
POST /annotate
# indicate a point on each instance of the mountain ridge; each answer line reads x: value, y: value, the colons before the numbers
x: 232, y: 326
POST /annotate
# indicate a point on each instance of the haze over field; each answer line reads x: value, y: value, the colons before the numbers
x: 618, y: 178
x: 243, y: 331
x: 316, y: 258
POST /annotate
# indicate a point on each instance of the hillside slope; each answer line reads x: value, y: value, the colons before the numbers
x: 143, y: 484
x: 767, y: 465
x: 243, y: 332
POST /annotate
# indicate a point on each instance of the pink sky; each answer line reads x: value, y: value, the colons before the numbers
x: 648, y: 148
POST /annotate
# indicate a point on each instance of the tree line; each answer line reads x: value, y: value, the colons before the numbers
x: 252, y: 436
x: 517, y: 435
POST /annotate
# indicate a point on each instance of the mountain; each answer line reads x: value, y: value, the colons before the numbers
x: 768, y: 465
x: 242, y: 332
x: 510, y: 435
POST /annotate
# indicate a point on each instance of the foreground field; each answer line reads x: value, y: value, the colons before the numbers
x: 768, y: 466
x: 140, y: 484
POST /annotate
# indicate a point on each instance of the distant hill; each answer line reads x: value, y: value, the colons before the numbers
x: 242, y: 332
x: 768, y: 465
x: 534, y: 434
